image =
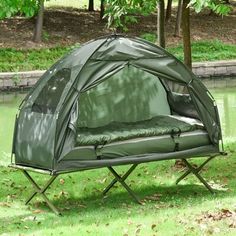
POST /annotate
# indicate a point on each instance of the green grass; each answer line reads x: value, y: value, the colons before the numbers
x: 207, y: 51
x: 71, y: 3
x: 201, y: 50
x: 168, y: 210
x: 24, y: 60
x: 32, y: 59
x: 79, y: 3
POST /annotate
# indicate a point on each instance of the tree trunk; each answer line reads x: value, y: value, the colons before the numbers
x: 39, y: 23
x: 186, y: 34
x: 178, y: 19
x: 91, y: 5
x: 168, y: 10
x: 102, y: 9
x: 161, y: 23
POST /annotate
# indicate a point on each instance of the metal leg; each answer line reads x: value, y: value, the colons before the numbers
x: 41, y: 191
x: 196, y: 171
x: 124, y: 177
x: 121, y: 180
x: 183, y: 176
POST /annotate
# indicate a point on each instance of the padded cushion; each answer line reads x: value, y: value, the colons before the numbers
x: 120, y: 131
x: 157, y: 144
x: 139, y: 146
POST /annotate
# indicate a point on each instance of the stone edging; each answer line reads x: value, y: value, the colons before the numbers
x: 19, y: 79
x: 10, y: 80
x: 215, y: 68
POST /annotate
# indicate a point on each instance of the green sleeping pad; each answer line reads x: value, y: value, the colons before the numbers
x: 120, y: 131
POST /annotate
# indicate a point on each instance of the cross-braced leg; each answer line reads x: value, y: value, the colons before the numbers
x: 124, y: 177
x: 121, y: 180
x: 41, y: 191
x: 196, y: 171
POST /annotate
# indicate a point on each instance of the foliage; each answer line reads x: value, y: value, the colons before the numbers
x: 149, y: 37
x: 10, y: 8
x: 122, y: 12
x: 216, y: 6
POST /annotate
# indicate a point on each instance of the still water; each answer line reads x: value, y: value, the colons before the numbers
x: 9, y: 102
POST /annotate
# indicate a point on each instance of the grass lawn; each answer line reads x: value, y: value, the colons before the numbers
x: 71, y: 3
x: 79, y: 3
x: 24, y: 60
x: 207, y: 51
x: 186, y: 209
x: 32, y: 59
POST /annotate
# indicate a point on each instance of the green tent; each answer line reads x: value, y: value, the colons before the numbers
x: 114, y: 101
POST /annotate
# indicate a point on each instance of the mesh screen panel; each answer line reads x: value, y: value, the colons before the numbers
x: 128, y: 96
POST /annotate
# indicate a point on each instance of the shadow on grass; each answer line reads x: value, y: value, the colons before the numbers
x: 116, y: 204
x: 166, y: 196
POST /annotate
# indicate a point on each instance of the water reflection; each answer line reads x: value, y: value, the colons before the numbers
x: 9, y: 103
x: 226, y: 102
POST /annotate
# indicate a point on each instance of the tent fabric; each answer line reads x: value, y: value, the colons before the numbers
x: 46, y: 127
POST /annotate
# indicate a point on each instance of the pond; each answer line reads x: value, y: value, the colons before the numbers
x: 9, y: 102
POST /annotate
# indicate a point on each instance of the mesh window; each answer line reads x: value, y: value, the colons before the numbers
x: 50, y: 95
x: 128, y: 96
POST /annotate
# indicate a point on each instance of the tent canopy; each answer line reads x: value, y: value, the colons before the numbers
x: 113, y: 78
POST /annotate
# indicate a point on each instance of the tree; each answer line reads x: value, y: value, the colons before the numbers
x: 168, y: 10
x: 91, y: 5
x: 186, y: 34
x: 214, y: 5
x: 28, y: 8
x: 120, y: 12
x: 161, y: 23
x: 39, y: 23
x: 178, y: 18
x: 9, y: 8
x: 102, y: 9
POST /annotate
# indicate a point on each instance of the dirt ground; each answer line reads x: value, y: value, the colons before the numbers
x: 69, y: 26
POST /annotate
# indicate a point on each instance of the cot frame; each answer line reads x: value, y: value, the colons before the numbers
x: 190, y: 169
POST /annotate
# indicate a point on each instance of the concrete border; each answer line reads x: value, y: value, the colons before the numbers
x: 14, y: 80
x: 9, y: 80
x: 215, y: 68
